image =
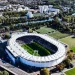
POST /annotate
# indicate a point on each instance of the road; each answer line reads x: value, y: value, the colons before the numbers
x: 12, y: 69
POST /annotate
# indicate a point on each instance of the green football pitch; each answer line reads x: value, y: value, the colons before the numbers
x: 36, y: 49
x: 51, y: 32
x: 70, y: 72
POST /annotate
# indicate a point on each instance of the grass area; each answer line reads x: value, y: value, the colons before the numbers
x: 58, y: 35
x: 42, y: 51
x: 51, y: 32
x: 73, y: 48
x: 44, y: 30
x: 38, y: 14
x: 70, y: 72
x: 70, y: 41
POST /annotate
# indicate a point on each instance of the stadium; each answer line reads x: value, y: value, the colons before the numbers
x: 33, y: 49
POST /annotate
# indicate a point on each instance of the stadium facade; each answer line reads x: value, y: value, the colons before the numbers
x: 15, y: 51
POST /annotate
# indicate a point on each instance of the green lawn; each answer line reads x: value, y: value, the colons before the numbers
x: 58, y: 35
x: 42, y: 51
x: 70, y: 41
x: 73, y: 48
x: 51, y: 32
x: 38, y: 14
x: 44, y: 30
x: 70, y: 72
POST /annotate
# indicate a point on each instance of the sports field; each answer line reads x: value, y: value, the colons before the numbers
x: 51, y: 32
x: 70, y: 41
x: 42, y: 51
x: 70, y: 72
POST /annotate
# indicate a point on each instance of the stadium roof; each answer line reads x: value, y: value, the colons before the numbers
x: 17, y: 50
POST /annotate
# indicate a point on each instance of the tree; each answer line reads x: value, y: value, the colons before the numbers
x: 7, y: 36
x: 70, y: 54
x: 5, y: 73
x: 44, y: 71
x: 30, y: 30
x: 73, y: 27
x: 12, y: 27
x: 67, y: 62
x: 61, y: 66
x: 0, y: 20
x: 1, y: 73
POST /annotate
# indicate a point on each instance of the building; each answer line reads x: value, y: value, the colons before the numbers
x: 17, y: 53
x: 29, y: 14
x: 3, y: 1
x: 48, y: 9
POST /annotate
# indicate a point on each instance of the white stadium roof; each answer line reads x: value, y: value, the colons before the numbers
x: 52, y: 60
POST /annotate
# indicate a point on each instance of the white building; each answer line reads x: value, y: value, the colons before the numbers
x: 48, y: 9
x: 41, y: 8
x: 50, y: 6
x: 22, y: 9
x: 45, y: 8
x: 29, y: 14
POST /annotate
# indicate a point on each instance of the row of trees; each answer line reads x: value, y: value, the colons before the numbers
x: 69, y: 19
x: 67, y: 62
x: 14, y: 20
x: 55, y: 24
x: 14, y: 14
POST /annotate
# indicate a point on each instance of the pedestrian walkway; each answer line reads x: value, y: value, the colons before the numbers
x: 14, y: 70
